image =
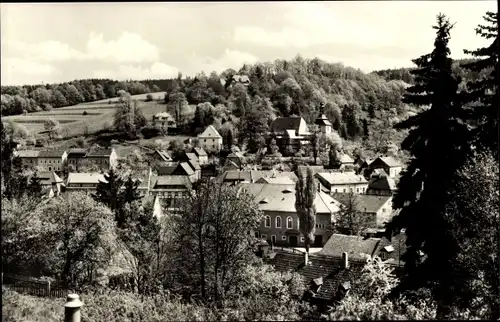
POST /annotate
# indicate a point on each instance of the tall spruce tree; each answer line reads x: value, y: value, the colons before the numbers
x: 436, y: 144
x: 305, y: 193
x: 483, y: 94
x: 130, y: 193
x: 109, y: 193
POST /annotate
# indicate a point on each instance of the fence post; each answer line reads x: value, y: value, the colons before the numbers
x: 72, y: 308
x: 48, y: 288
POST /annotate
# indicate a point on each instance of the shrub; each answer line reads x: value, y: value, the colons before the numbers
x: 149, y: 98
x: 85, y: 113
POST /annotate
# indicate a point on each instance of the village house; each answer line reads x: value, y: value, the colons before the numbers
x: 290, y: 132
x: 280, y: 225
x: 52, y: 184
x: 84, y: 181
x: 210, y: 140
x: 76, y: 158
x: 164, y: 121
x: 52, y: 160
x: 169, y: 189
x: 29, y: 158
x: 376, y: 209
x: 342, y: 182
x: 201, y: 154
x: 390, y: 165
x: 356, y: 247
x: 324, y: 124
x: 326, y: 279
x: 252, y: 176
x: 195, y: 166
x: 105, y: 159
x: 381, y: 185
x: 237, y: 159
x: 184, y: 169
x: 346, y: 161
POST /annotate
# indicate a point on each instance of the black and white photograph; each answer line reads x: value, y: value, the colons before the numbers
x: 250, y: 161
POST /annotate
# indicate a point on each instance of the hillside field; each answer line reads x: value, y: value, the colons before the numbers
x: 99, y: 115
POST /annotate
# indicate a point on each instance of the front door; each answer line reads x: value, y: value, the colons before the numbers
x: 293, y: 241
x: 318, y: 241
x: 273, y: 240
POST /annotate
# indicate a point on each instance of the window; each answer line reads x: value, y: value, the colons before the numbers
x: 273, y: 239
x: 344, y: 189
x: 302, y: 239
x: 256, y: 234
x: 357, y: 190
x: 268, y: 222
x: 289, y: 223
x: 383, y: 255
x: 283, y: 237
x: 336, y: 190
x: 278, y: 222
x: 204, y: 140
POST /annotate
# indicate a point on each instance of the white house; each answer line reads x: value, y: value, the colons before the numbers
x: 210, y: 139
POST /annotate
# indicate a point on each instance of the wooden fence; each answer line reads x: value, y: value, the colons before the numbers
x: 33, y: 286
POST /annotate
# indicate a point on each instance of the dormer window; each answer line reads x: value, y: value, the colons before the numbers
x: 287, y: 190
x: 264, y: 201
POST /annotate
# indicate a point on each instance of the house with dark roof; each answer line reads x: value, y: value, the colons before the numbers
x: 324, y: 124
x: 392, y: 249
x: 201, y: 154
x: 29, y: 158
x: 327, y: 279
x: 390, y: 165
x: 167, y: 168
x: 342, y: 181
x: 164, y: 120
x: 52, y: 160
x: 210, y: 140
x: 377, y: 209
x: 381, y: 185
x: 76, y: 158
x: 290, y: 132
x: 356, y: 247
x: 184, y: 169
x: 103, y: 158
x: 235, y: 158
x: 280, y: 225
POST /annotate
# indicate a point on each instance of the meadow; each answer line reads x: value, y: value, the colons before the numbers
x: 99, y: 116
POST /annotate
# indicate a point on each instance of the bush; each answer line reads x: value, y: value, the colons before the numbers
x: 85, y: 113
x: 149, y: 98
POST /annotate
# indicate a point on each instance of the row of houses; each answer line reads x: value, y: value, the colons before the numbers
x: 60, y: 160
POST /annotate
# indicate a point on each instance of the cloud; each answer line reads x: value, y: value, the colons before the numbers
x: 229, y: 59
x: 128, y: 48
x: 22, y: 71
x: 125, y: 72
x: 308, y: 24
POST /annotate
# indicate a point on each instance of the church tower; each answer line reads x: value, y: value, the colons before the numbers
x: 324, y: 124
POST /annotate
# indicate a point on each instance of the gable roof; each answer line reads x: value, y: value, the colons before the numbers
x: 210, y: 132
x: 355, y: 246
x: 281, y: 197
x: 276, y: 180
x: 194, y: 164
x: 334, y: 178
x: 191, y: 156
x: 88, y: 178
x: 230, y: 165
x: 170, y: 180
x: 167, y: 168
x: 398, y: 243
x: 382, y: 183
x: 164, y: 155
x: 281, y: 124
x: 185, y: 168
x: 99, y: 153
x: 364, y: 203
x: 345, y: 158
x: 51, y: 153
x: 28, y: 153
x: 77, y: 152
x: 329, y: 269
x: 390, y: 161
x: 199, y: 151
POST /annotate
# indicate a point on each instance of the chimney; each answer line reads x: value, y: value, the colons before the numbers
x: 306, y: 258
x: 345, y: 259
x: 319, y: 187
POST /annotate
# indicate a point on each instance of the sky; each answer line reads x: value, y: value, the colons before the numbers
x: 57, y: 42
